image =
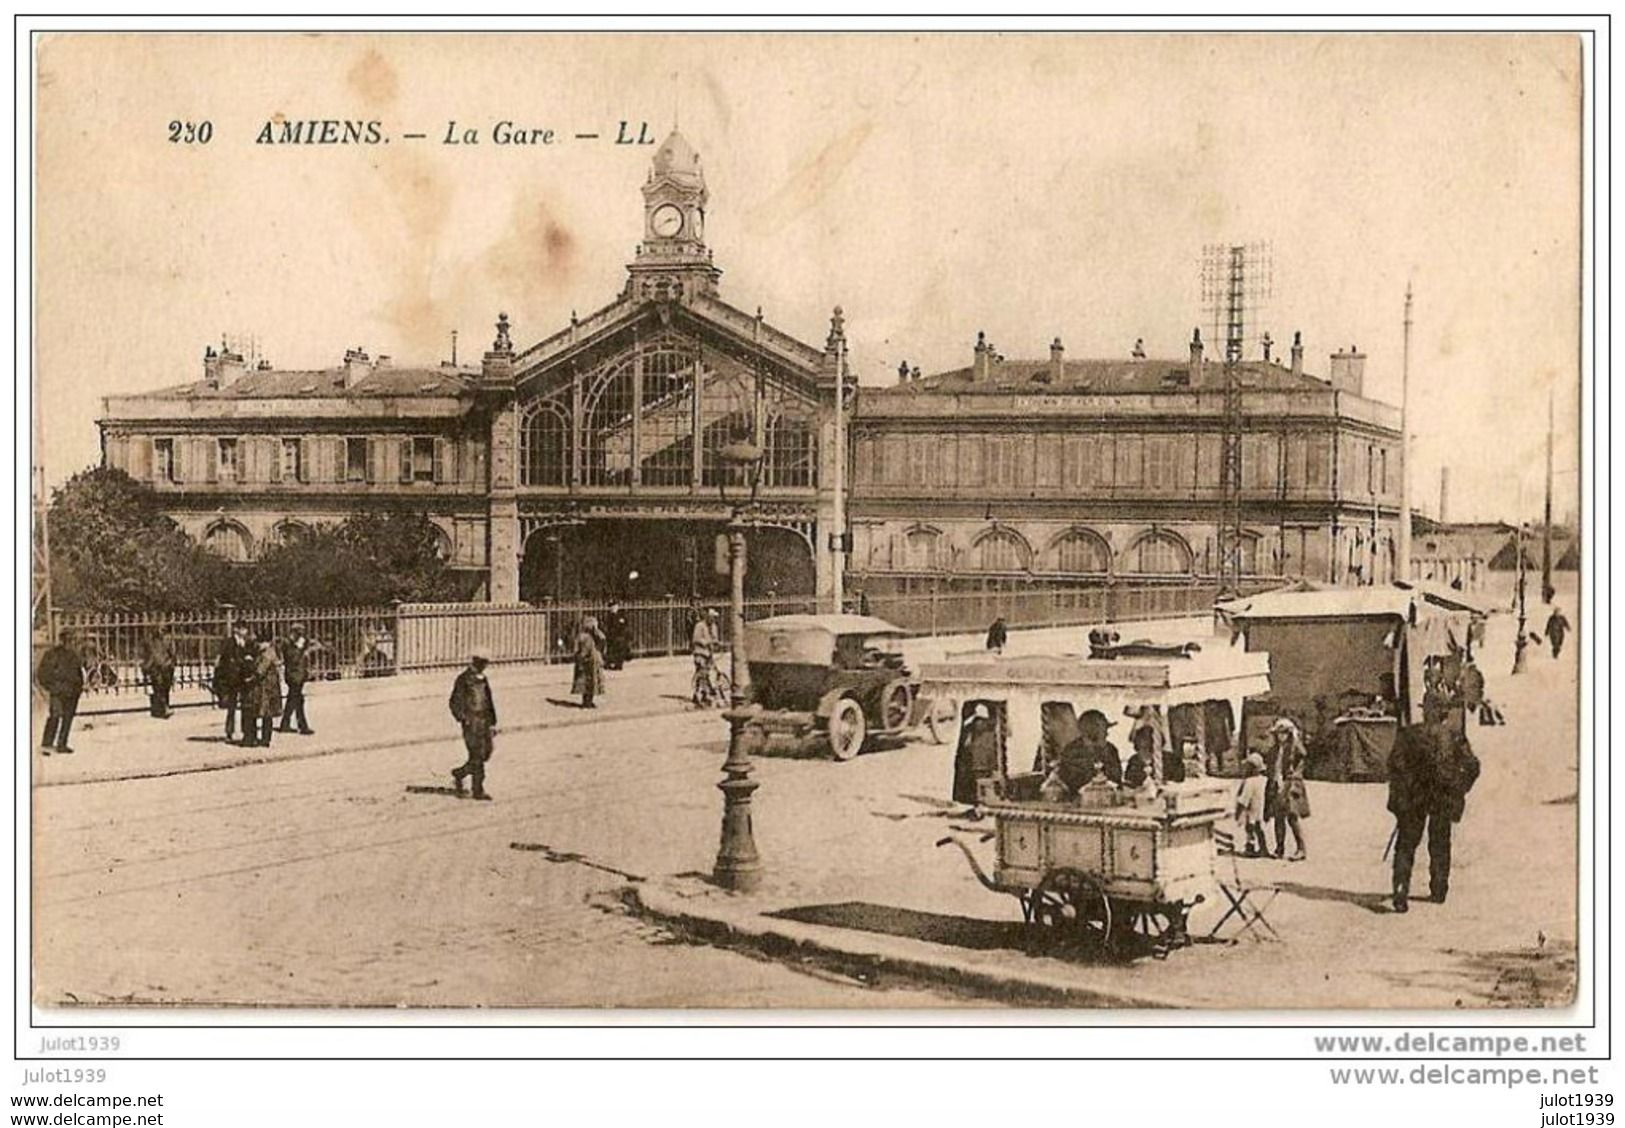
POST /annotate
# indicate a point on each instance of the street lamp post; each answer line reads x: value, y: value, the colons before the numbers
x: 1518, y: 660
x: 738, y: 866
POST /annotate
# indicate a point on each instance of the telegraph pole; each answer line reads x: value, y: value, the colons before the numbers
x: 837, y: 539
x: 1404, y: 561
x: 1546, y: 589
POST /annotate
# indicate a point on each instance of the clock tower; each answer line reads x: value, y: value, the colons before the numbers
x: 673, y: 262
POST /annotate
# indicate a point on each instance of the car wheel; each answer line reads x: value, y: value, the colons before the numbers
x: 847, y: 729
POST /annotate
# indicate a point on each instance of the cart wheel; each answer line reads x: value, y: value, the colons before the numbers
x: 847, y: 729
x: 1073, y: 902
x: 896, y: 703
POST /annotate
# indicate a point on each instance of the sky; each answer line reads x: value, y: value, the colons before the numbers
x: 936, y: 185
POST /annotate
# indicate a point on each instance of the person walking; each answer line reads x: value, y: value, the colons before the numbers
x: 1430, y: 771
x: 997, y: 635
x: 231, y: 673
x: 158, y: 665
x: 703, y: 642
x: 1287, y: 794
x: 475, y: 710
x: 617, y: 637
x: 589, y: 663
x: 61, y: 675
x: 296, y: 652
x: 1557, y: 627
x: 264, y: 693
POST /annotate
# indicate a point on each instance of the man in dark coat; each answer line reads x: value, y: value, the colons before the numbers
x: 296, y: 651
x: 977, y: 757
x: 158, y: 664
x: 1430, y: 771
x: 476, y: 710
x: 1556, y: 628
x: 997, y: 635
x: 61, y: 675
x: 231, y: 675
x: 617, y: 637
x: 1090, y: 752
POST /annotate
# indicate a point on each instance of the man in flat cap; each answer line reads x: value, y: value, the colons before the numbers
x: 476, y: 711
x: 296, y: 650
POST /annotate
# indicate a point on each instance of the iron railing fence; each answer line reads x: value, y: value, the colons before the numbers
x: 382, y: 641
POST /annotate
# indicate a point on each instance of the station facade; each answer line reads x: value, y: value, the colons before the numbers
x: 590, y: 463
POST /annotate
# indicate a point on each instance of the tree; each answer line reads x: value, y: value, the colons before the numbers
x: 369, y: 560
x: 113, y: 549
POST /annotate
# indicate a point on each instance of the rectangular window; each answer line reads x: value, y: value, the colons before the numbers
x: 1317, y: 467
x: 920, y: 460
x: 355, y: 460
x: 1047, y: 466
x: 1159, y: 463
x: 1370, y: 469
x: 947, y: 448
x: 163, y: 461
x: 1384, y: 471
x: 970, y: 460
x: 291, y: 461
x: 896, y: 460
x: 423, y: 459
x: 1130, y: 460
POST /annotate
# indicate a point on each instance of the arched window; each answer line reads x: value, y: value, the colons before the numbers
x: 1083, y: 552
x: 923, y: 550
x: 607, y: 414
x: 544, y: 444
x: 442, y: 544
x: 668, y: 440
x: 290, y: 532
x: 229, y: 541
x: 1000, y: 551
x: 1159, y: 554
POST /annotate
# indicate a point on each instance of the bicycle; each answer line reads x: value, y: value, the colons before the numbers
x: 713, y: 688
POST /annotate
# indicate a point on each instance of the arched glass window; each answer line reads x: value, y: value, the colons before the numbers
x: 729, y: 406
x: 667, y: 452
x: 1158, y: 554
x: 607, y: 413
x: 544, y: 444
x: 923, y: 550
x: 1081, y: 552
x: 229, y: 541
x: 1000, y: 551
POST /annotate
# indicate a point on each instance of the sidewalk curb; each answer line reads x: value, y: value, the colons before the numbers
x: 364, y: 746
x: 721, y: 919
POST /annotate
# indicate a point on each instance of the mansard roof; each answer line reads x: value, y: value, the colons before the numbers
x: 1104, y: 377
x: 328, y: 383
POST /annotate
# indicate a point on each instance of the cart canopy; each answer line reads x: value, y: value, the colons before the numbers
x: 809, y: 639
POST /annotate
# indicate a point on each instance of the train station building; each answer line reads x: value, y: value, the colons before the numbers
x: 589, y: 463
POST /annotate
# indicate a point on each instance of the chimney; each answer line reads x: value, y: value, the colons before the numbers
x: 1297, y: 353
x: 1348, y: 370
x: 1139, y: 348
x: 211, y: 367
x: 982, y: 370
x: 229, y: 367
x: 914, y: 373
x: 1268, y: 343
x: 1196, y: 358
x: 383, y: 361
x: 1444, y: 494
x: 902, y: 373
x: 1057, y: 360
x: 356, y: 366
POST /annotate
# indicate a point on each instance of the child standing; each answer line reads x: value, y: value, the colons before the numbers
x: 1250, y: 803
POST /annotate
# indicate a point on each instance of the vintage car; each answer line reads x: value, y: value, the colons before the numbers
x: 840, y: 678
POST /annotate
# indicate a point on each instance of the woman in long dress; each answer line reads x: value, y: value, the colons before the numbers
x: 589, y: 663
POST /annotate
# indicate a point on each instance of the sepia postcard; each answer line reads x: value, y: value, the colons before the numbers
x: 794, y: 521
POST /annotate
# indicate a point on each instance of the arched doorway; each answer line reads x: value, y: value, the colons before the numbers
x: 638, y: 559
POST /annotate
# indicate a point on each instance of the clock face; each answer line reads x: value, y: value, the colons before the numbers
x: 667, y: 221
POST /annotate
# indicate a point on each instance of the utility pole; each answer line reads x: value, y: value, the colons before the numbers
x: 1546, y: 589
x: 1404, y: 561
x: 837, y: 539
x: 1523, y: 618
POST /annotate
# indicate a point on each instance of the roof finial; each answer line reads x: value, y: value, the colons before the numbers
x: 502, y: 344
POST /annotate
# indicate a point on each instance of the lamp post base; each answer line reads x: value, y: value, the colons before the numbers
x: 739, y: 867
